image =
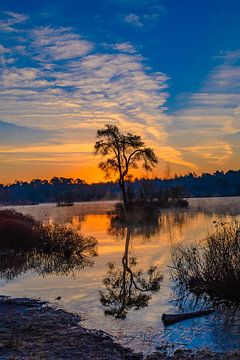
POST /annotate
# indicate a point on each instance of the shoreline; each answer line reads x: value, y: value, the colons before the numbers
x: 207, y: 197
x: 35, y: 329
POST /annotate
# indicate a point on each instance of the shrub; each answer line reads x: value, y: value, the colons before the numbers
x: 210, y: 270
x: 25, y: 245
x: 16, y: 229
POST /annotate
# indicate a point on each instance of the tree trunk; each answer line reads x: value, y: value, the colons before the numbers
x: 125, y: 268
x: 124, y: 195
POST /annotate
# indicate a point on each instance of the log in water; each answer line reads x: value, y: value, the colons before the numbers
x: 169, y: 319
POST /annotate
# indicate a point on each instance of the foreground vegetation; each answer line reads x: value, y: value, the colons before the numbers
x: 33, y: 330
x: 26, y: 244
x: 210, y: 270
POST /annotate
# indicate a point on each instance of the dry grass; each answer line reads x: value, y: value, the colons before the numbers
x: 210, y: 270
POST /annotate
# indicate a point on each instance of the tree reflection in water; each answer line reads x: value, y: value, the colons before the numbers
x: 127, y: 286
x: 27, y: 245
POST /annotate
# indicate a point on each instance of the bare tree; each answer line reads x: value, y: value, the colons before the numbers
x: 125, y: 152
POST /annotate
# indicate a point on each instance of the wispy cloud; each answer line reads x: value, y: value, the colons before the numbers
x: 218, y: 152
x: 60, y: 84
x: 124, y: 47
x: 9, y: 19
x: 67, y: 88
x: 3, y: 50
x: 148, y: 16
x: 133, y: 19
x: 225, y: 78
x: 19, y: 135
x: 59, y: 44
x: 208, y: 124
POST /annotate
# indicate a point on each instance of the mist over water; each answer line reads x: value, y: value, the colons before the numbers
x: 149, y: 245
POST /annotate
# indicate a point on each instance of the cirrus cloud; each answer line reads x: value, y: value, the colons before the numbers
x: 60, y: 83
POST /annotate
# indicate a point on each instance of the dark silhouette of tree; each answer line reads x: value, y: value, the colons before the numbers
x: 128, y: 287
x: 191, y: 185
x: 124, y: 152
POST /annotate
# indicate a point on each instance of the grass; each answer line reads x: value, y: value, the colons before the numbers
x: 210, y: 270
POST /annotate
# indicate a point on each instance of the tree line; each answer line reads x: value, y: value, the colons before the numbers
x: 60, y: 188
x: 123, y: 152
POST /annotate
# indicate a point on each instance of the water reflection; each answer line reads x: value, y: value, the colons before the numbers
x: 151, y: 225
x: 225, y: 206
x: 74, y: 220
x: 52, y: 250
x: 129, y: 287
x: 81, y: 293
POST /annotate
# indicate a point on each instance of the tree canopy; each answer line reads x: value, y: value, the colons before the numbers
x: 124, y: 151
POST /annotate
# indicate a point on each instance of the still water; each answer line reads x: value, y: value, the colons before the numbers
x: 148, y: 245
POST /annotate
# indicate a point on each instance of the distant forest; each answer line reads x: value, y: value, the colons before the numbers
x: 60, y: 189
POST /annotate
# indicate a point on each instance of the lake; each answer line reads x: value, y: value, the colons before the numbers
x: 148, y: 245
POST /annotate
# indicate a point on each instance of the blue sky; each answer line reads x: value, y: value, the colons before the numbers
x: 168, y: 70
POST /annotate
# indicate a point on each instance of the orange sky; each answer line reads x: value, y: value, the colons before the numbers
x: 91, y: 173
x: 59, y: 85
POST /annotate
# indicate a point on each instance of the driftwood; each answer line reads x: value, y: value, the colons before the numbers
x: 169, y: 319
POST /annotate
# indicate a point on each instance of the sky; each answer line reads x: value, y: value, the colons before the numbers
x: 167, y: 70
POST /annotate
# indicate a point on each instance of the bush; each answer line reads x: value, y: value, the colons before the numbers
x: 25, y: 245
x: 210, y: 270
x: 16, y: 229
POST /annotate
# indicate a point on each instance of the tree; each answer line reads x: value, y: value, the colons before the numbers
x: 125, y: 152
